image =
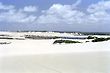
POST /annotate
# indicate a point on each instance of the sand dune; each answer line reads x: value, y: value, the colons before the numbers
x: 94, y: 62
x: 41, y: 56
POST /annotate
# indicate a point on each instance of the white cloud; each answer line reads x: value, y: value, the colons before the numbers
x: 99, y: 12
x: 100, y: 6
x: 6, y: 7
x: 58, y: 13
x: 30, y: 9
x: 66, y: 14
x: 14, y: 15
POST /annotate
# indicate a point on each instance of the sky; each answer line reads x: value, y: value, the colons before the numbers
x: 55, y: 15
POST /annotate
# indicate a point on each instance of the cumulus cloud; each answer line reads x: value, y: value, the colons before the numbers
x: 6, y: 7
x: 100, y: 6
x: 14, y: 15
x: 96, y: 15
x: 30, y: 9
x: 99, y: 12
x: 66, y: 14
x: 59, y: 13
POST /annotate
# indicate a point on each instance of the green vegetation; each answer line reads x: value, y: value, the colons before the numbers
x: 96, y: 39
x: 108, y: 38
x: 91, y: 37
x: 1, y: 43
x: 95, y: 33
x: 100, y: 39
x: 40, y: 37
x: 6, y: 38
x: 65, y: 41
x: 87, y: 41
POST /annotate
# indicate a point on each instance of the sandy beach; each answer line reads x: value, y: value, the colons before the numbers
x: 54, y: 36
x: 41, y: 56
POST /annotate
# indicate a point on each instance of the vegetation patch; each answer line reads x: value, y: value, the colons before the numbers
x: 6, y: 38
x: 108, y: 38
x: 91, y: 37
x: 5, y: 43
x: 100, y: 39
x: 40, y: 37
x: 65, y: 41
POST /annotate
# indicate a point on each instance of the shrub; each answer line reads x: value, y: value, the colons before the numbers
x: 108, y: 38
x: 91, y: 37
x: 65, y: 41
x: 87, y: 41
x: 6, y: 38
x: 99, y: 39
x: 1, y: 43
x: 40, y: 37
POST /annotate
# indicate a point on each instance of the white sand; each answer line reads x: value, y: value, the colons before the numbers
x: 41, y: 56
x: 28, y: 47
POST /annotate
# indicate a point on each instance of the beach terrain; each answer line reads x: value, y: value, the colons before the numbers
x: 23, y: 55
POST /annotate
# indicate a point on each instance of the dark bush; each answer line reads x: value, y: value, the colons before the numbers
x: 108, y: 38
x: 65, y: 41
x: 40, y: 37
x: 87, y: 41
x: 91, y: 37
x: 100, y: 39
x: 6, y: 38
x: 1, y: 43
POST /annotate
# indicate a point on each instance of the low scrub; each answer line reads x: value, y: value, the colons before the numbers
x: 100, y: 39
x: 65, y: 41
x: 1, y: 43
x: 108, y: 38
x: 6, y: 38
x: 40, y: 37
x: 91, y: 37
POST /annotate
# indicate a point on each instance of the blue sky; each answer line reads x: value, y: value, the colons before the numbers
x: 55, y: 15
